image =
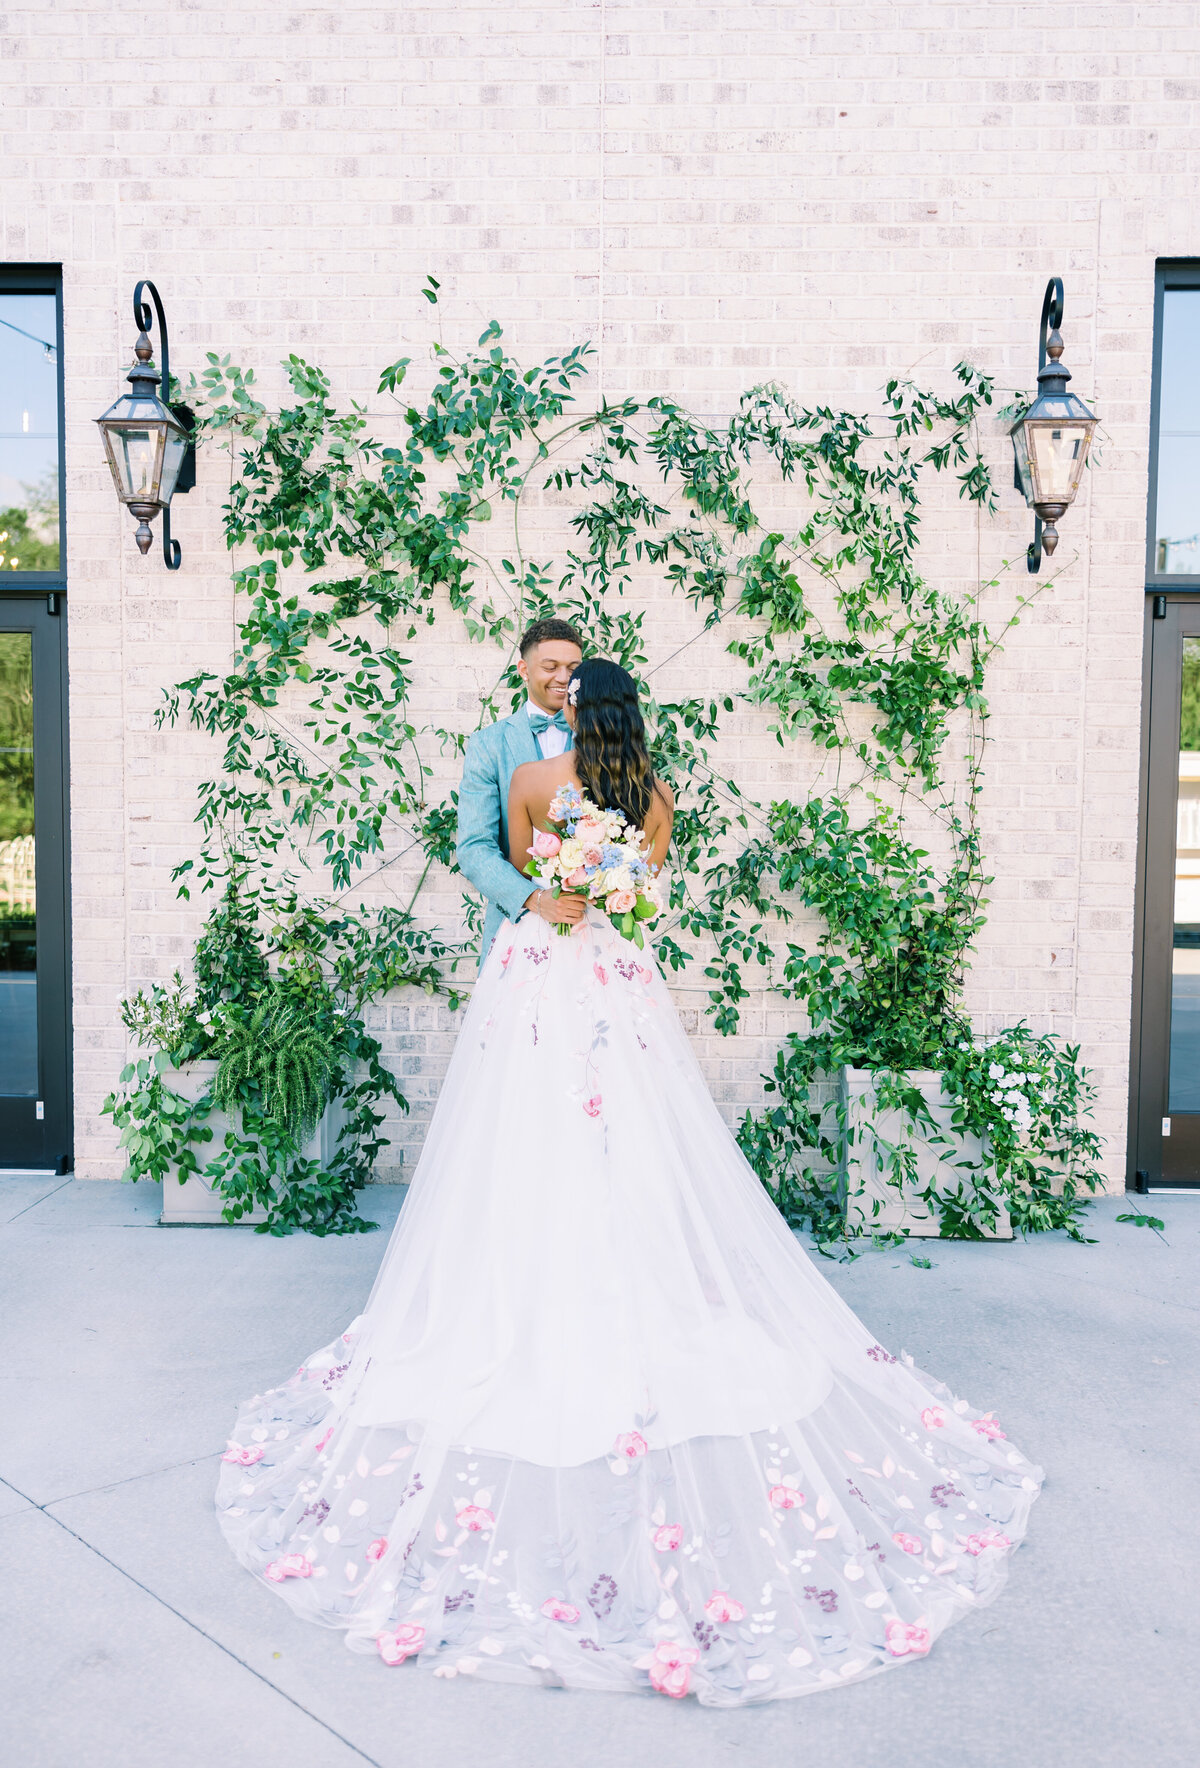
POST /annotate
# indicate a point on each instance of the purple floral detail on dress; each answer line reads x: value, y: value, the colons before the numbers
x: 536, y: 956
x: 854, y: 1491
x: 464, y: 1599
x: 533, y: 1028
x: 879, y: 1355
x: 640, y: 1041
x: 826, y: 1600
x: 416, y: 1484
x: 318, y: 1511
x: 704, y: 1635
x: 941, y: 1495
x: 602, y: 1595
x: 590, y: 1645
x: 625, y: 968
x: 875, y: 1548
x: 333, y: 1376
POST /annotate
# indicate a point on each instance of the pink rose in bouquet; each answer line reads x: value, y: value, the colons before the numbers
x: 621, y: 902
x: 545, y: 844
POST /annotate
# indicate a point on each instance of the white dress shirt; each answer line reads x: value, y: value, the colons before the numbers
x: 552, y: 741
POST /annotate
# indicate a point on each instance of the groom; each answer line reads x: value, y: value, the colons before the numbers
x: 550, y: 651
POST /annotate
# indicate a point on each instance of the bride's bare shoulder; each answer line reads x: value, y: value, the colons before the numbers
x: 535, y: 774
x: 535, y: 780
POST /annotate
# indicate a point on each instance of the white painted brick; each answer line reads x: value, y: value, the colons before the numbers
x: 715, y: 197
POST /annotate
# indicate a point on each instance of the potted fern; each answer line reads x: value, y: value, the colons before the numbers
x: 269, y: 1096
x: 258, y: 1097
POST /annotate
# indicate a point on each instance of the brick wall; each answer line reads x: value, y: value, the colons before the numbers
x: 818, y: 193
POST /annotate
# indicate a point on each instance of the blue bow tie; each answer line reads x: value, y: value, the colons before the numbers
x: 543, y: 721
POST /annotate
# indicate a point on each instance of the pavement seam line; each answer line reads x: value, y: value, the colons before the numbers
x: 38, y: 1201
x: 249, y: 1668
x: 114, y: 1485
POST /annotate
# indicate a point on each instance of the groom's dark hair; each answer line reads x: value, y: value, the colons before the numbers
x: 547, y: 631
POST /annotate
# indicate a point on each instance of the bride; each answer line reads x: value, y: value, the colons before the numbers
x: 601, y: 1423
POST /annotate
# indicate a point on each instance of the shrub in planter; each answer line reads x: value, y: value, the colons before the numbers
x: 272, y: 1072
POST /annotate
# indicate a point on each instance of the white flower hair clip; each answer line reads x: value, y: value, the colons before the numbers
x: 573, y: 693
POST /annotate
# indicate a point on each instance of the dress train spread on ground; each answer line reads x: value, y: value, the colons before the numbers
x: 602, y: 1423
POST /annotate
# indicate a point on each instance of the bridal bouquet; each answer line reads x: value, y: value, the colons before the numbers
x: 597, y: 854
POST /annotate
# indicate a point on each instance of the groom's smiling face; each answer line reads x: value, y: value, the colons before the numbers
x: 546, y: 669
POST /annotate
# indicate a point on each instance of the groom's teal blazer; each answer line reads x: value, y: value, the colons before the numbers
x: 493, y: 756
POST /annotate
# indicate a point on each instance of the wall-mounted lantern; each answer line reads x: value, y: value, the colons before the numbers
x: 1051, y: 439
x: 148, y: 442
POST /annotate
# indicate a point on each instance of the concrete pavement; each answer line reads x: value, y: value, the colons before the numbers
x: 131, y: 1639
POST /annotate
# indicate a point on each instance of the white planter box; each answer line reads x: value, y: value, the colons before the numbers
x: 195, y: 1202
x: 874, y: 1202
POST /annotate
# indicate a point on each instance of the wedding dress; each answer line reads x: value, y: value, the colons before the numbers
x: 602, y: 1423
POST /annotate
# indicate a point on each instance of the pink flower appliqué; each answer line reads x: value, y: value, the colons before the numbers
x: 784, y: 1498
x: 592, y: 1105
x: 667, y: 1538
x: 406, y: 1641
x: 907, y: 1543
x: 904, y: 1640
x: 600, y: 973
x: 292, y: 1565
x: 671, y: 1667
x: 555, y: 1610
x: 242, y: 1457
x: 721, y: 1606
x: 475, y: 1517
x: 545, y: 844
x: 987, y: 1427
x: 630, y: 1444
x: 506, y: 958
x: 377, y: 1549
x: 977, y: 1544
x: 323, y: 1441
x: 933, y: 1418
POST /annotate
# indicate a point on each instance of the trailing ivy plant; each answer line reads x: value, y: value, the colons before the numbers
x: 348, y: 545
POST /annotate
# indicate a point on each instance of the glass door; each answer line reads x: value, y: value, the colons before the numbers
x: 35, y: 1094
x: 1167, y: 1075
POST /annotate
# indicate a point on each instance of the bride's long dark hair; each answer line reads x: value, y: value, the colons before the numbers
x: 610, y: 739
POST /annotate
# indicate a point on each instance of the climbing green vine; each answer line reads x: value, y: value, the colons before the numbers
x: 857, y: 902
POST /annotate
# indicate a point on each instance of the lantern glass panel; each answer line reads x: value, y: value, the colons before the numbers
x: 176, y: 448
x: 1021, y: 451
x: 135, y: 455
x: 1057, y: 452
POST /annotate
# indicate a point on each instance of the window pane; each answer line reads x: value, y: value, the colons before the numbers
x: 28, y: 433
x: 18, y: 897
x: 1177, y: 528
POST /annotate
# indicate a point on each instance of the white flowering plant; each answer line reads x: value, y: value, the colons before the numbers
x: 595, y: 853
x: 1031, y: 1098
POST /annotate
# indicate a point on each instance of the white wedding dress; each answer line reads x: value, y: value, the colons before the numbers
x: 602, y: 1423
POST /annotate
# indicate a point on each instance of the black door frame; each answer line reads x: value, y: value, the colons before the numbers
x: 1169, y: 619
x: 1165, y: 591
x: 25, y: 1140
x: 42, y: 597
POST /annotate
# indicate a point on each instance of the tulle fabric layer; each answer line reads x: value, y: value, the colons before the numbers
x: 602, y: 1423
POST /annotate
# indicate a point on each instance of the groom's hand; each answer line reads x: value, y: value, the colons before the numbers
x: 567, y: 907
